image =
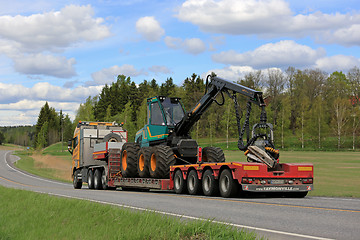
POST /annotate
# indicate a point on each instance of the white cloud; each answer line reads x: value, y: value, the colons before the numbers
x: 269, y: 18
x: 109, y: 75
x: 337, y: 63
x: 150, y: 28
x: 40, y: 64
x: 190, y: 45
x: 281, y: 54
x: 160, y: 69
x: 231, y: 73
x: 53, y: 30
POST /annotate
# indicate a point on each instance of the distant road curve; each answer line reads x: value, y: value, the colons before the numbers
x: 274, y: 218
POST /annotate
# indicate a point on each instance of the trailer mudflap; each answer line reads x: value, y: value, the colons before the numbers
x: 277, y: 188
x: 147, y: 183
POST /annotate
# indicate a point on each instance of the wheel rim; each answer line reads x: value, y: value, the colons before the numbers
x: 141, y: 162
x: 177, y: 182
x: 207, y: 183
x: 123, y: 160
x: 191, y: 182
x: 225, y: 183
x: 153, y: 162
x: 96, y: 182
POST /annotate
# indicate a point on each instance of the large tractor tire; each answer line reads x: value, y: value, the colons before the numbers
x: 213, y: 154
x: 112, y: 137
x: 143, y: 162
x: 129, y: 155
x: 162, y: 157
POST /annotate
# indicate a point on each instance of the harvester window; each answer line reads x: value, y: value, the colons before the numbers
x: 156, y: 114
x: 173, y: 111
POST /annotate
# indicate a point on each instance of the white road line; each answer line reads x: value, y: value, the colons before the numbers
x: 191, y: 217
x: 28, y: 175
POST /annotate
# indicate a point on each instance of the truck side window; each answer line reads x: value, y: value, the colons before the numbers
x: 75, y: 142
x: 156, y: 114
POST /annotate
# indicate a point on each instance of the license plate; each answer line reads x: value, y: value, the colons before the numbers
x: 277, y: 181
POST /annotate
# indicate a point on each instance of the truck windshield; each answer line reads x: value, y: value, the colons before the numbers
x: 173, y: 111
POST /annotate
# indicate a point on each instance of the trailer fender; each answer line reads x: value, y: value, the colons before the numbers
x: 231, y: 170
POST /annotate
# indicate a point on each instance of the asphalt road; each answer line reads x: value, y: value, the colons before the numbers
x: 273, y: 218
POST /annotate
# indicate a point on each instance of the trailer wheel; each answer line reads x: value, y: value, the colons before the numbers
x: 143, y: 162
x: 179, y: 182
x: 104, y: 184
x: 210, y: 185
x: 162, y: 157
x: 227, y: 185
x: 193, y: 183
x: 129, y: 155
x: 76, y: 181
x: 112, y: 137
x: 91, y: 179
x: 213, y: 154
x: 97, y: 179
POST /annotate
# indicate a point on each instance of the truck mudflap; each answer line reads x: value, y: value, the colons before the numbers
x: 278, y: 188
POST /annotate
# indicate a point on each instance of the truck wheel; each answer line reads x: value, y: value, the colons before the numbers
x: 162, y: 157
x: 210, y: 185
x: 193, y: 183
x: 179, y: 182
x: 104, y: 184
x: 213, y: 154
x: 112, y: 137
x: 143, y: 162
x: 227, y: 185
x: 76, y: 181
x: 129, y: 155
x: 97, y: 179
x: 91, y: 179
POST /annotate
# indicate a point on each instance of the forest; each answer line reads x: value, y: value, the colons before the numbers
x: 309, y: 109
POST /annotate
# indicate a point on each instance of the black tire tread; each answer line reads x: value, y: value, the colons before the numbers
x: 213, y: 154
x: 164, y: 159
x: 146, y: 151
x: 132, y: 150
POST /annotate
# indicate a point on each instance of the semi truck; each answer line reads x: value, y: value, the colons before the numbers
x: 164, y: 157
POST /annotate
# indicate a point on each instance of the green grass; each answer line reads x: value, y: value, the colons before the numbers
x: 57, y: 149
x: 336, y: 174
x: 27, y: 163
x: 28, y: 215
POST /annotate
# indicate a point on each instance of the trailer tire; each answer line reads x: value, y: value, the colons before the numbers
x: 129, y: 155
x: 143, y: 162
x: 227, y: 185
x: 97, y: 179
x: 76, y: 181
x: 104, y: 184
x: 193, y: 183
x: 112, y: 137
x: 162, y: 157
x: 210, y: 185
x: 90, y: 179
x: 213, y: 154
x: 179, y: 182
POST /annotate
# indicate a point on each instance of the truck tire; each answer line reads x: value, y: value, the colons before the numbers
x: 227, y: 185
x: 210, y: 185
x: 179, y: 182
x: 213, y: 154
x: 97, y: 179
x: 76, y: 181
x: 104, y: 180
x: 193, y: 183
x: 162, y: 157
x: 112, y: 137
x: 129, y: 155
x: 91, y: 179
x: 143, y: 162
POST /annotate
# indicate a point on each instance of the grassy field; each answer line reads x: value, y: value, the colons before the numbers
x: 336, y: 174
x: 28, y: 215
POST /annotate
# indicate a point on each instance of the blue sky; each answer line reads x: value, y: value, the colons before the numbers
x: 64, y: 51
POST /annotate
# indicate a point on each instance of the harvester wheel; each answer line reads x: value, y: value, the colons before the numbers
x: 112, y: 137
x: 76, y: 181
x: 129, y: 155
x: 193, y: 183
x: 227, y: 185
x: 210, y: 185
x: 179, y: 182
x: 143, y: 162
x: 104, y: 183
x: 162, y: 157
x: 91, y: 179
x: 97, y: 179
x: 213, y: 154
